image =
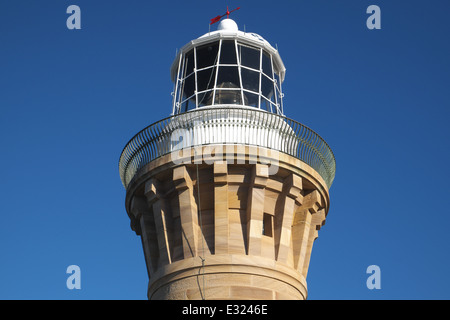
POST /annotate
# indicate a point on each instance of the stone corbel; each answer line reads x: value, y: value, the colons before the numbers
x: 309, y: 218
x: 255, y: 208
x: 138, y: 208
x: 160, y: 214
x: 221, y: 223
x: 292, y: 188
x: 187, y: 205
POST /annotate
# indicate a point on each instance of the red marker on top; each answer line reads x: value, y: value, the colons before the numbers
x: 216, y: 19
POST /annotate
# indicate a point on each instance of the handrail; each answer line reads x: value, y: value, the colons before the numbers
x: 269, y: 130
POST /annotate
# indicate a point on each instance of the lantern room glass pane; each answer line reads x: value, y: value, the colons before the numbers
x: 249, y: 57
x: 228, y: 77
x: 250, y: 79
x: 207, y: 55
x: 266, y: 105
x: 189, y: 86
x: 205, y: 79
x: 267, y: 64
x: 228, y: 52
x: 205, y: 98
x: 189, y: 63
x: 187, y: 105
x: 266, y: 87
x: 224, y: 96
x: 251, y: 99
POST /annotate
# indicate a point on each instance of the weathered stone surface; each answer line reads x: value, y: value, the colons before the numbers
x: 227, y: 230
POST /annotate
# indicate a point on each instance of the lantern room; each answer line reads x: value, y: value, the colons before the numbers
x: 228, y: 67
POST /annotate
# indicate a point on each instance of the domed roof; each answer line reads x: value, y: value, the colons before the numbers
x: 228, y: 25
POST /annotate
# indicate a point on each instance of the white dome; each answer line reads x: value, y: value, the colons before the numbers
x: 228, y: 25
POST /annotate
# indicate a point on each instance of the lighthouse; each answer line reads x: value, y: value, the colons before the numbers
x: 227, y: 193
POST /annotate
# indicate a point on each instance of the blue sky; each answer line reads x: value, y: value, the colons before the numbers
x: 71, y: 99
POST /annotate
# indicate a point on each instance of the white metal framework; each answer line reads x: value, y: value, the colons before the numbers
x: 228, y: 70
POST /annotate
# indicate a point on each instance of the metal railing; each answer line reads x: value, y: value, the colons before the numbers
x: 225, y: 125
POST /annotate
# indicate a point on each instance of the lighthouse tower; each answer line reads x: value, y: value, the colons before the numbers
x: 227, y: 193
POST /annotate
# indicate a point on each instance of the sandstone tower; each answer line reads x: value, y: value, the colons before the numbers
x: 227, y: 194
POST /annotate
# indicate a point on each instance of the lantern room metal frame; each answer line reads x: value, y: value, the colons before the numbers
x: 220, y: 66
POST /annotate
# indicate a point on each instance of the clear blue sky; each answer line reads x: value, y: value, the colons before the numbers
x: 71, y: 99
